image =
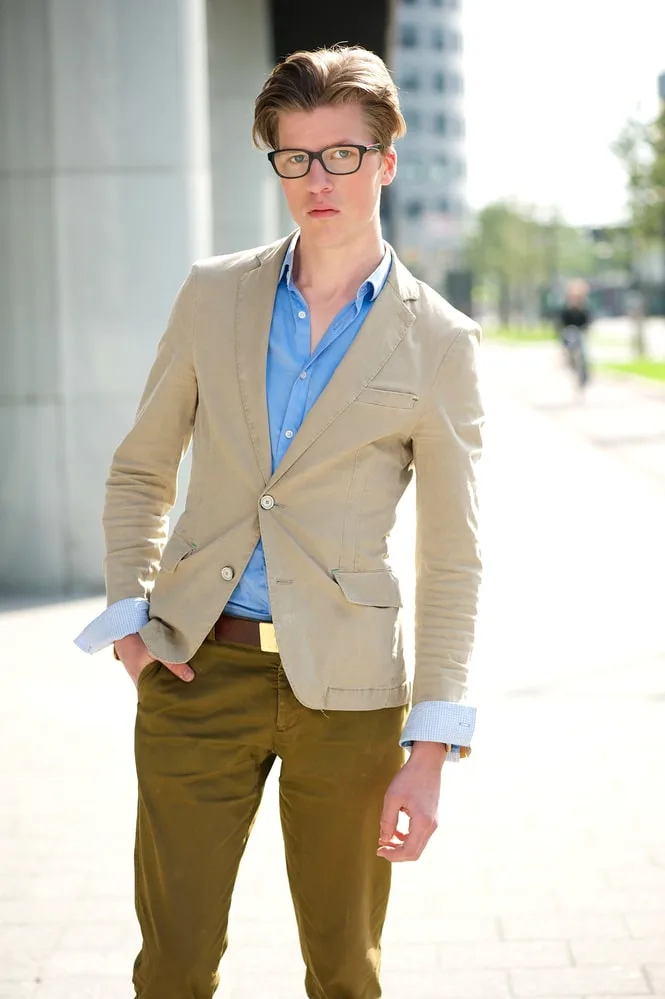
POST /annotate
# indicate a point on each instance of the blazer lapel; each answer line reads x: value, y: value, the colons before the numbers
x: 383, y: 329
x: 256, y: 298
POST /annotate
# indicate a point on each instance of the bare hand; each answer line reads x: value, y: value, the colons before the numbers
x: 415, y: 792
x: 134, y: 656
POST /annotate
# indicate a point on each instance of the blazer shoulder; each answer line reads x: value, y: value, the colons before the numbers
x: 444, y: 321
x: 238, y: 263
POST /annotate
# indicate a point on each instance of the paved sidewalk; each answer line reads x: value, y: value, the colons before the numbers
x: 547, y: 876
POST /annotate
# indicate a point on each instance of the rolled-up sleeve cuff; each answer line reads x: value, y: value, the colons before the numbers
x: 119, y: 620
x: 441, y: 721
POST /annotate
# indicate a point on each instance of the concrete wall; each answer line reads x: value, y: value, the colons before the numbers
x: 104, y: 203
x: 246, y: 193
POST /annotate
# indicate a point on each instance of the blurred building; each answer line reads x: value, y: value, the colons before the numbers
x: 125, y: 155
x: 428, y: 199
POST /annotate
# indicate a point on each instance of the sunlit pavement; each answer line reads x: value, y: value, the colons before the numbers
x: 547, y: 875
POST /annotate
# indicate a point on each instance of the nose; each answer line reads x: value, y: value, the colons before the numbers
x: 317, y: 178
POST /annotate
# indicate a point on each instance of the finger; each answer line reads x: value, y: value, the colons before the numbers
x: 413, y: 844
x: 389, y: 818
x: 397, y: 838
x: 182, y: 670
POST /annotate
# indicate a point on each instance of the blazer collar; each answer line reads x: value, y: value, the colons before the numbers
x: 254, y: 308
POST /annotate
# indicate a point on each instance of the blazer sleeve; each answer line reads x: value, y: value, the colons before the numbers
x: 141, y: 486
x: 447, y: 443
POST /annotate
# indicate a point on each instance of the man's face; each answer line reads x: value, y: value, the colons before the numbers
x: 333, y: 209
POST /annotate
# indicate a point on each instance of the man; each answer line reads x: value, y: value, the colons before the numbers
x: 313, y: 375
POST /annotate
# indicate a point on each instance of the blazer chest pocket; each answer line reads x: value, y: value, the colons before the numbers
x: 388, y: 397
x: 378, y: 588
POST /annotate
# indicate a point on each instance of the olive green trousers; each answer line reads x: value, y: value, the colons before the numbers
x: 203, y: 752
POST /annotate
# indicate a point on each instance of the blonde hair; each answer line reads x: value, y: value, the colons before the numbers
x: 338, y: 75
x: 577, y: 290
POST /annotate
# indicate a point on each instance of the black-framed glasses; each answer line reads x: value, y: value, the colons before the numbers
x: 292, y: 163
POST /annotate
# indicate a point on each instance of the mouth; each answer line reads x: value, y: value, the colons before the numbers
x: 322, y: 213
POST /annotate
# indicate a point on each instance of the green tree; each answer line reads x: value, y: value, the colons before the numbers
x: 641, y: 149
x: 504, y: 254
x: 515, y: 254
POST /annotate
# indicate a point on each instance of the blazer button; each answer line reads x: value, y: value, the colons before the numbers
x: 228, y: 573
x: 267, y: 502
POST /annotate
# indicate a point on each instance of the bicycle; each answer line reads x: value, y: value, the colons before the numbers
x: 575, y: 347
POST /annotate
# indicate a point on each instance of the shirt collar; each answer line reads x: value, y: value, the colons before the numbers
x: 371, y: 285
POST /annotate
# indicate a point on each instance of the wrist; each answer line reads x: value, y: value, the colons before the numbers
x: 432, y: 753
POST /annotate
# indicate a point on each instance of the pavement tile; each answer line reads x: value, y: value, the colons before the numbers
x: 446, y: 985
x: 258, y: 981
x: 18, y: 990
x: 650, y: 877
x: 401, y: 956
x: 561, y: 926
x: 31, y: 910
x: 98, y: 935
x: 28, y: 938
x: 656, y: 977
x: 521, y: 954
x: 625, y: 951
x: 102, y: 908
x: 611, y: 901
x: 451, y: 926
x: 92, y: 962
x: 17, y: 885
x: 613, y: 981
x: 85, y: 987
x: 645, y: 924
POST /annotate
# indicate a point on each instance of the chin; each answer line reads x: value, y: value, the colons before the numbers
x: 324, y: 231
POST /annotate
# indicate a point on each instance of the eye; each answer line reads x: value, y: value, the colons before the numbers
x: 297, y: 158
x: 342, y: 153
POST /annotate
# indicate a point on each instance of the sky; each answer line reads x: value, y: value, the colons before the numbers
x: 549, y: 86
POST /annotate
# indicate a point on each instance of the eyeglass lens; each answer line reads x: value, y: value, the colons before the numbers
x: 337, y: 159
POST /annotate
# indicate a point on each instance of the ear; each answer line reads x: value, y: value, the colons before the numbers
x: 389, y: 168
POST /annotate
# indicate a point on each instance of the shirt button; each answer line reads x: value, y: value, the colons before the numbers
x: 289, y: 434
x: 267, y: 502
x: 303, y: 374
x: 302, y: 315
x: 228, y: 573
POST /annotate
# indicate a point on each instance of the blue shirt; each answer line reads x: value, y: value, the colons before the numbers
x: 295, y: 378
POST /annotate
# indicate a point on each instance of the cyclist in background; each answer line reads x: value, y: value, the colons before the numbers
x: 572, y: 322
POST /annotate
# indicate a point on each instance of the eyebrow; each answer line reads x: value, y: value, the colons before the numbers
x: 340, y: 142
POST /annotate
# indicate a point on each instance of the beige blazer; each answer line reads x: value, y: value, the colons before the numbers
x: 403, y: 399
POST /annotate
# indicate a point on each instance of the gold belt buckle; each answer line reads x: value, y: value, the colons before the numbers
x: 268, y: 637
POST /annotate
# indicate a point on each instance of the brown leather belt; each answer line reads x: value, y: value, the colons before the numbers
x: 242, y: 630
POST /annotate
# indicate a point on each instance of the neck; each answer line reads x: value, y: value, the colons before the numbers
x: 329, y: 272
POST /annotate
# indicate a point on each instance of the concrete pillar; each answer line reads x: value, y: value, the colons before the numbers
x: 246, y: 194
x: 104, y: 203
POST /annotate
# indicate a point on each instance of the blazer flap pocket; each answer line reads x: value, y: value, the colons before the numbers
x: 377, y: 588
x: 387, y: 397
x: 177, y: 548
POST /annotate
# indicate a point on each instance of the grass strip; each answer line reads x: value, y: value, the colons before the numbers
x: 655, y: 370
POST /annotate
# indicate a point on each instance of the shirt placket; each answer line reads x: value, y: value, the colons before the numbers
x: 297, y: 405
